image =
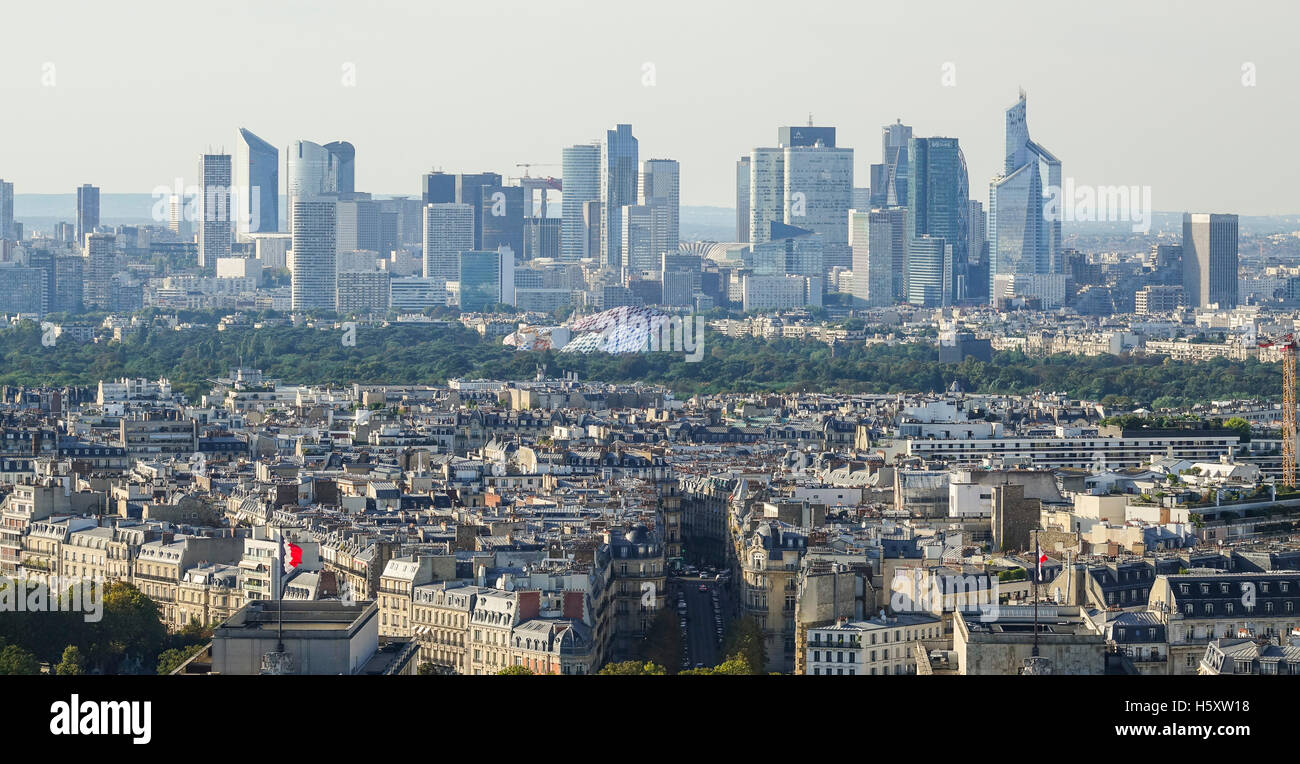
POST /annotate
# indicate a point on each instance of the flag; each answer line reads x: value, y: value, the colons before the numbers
x: 290, y: 555
x: 1040, y: 558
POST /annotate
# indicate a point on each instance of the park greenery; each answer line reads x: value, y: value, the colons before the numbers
x: 432, y: 354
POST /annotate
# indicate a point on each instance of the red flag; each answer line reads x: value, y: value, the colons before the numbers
x: 292, y: 555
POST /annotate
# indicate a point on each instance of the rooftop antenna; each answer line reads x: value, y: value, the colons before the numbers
x: 810, y: 122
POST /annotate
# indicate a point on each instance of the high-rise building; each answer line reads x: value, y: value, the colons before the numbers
x: 742, y: 200
x: 581, y: 168
x: 805, y: 135
x: 7, y: 210
x: 69, y: 284
x: 364, y: 291
x: 314, y: 222
x: 179, y: 220
x: 486, y: 278
x: 215, y: 214
x: 638, y: 245
x: 818, y: 194
x: 1210, y: 270
x: 1023, y: 233
x: 257, y: 181
x: 977, y: 265
x: 871, y: 239
x: 660, y: 188
x: 448, y: 231
x: 87, y: 210
x: 100, y: 256
x: 938, y: 205
x: 501, y: 217
x: 312, y: 170
x: 766, y: 192
x: 358, y: 225
x: 619, y: 163
x: 930, y: 271
x: 889, y: 178
x: 345, y: 164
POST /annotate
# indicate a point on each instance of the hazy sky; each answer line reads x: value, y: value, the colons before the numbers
x: 1140, y: 92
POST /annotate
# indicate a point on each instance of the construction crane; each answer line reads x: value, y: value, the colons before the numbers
x: 1287, y: 347
x: 526, y: 165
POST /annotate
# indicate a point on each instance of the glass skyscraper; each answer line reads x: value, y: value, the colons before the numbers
x: 257, y: 180
x: 581, y: 180
x: 1024, y: 237
x: 619, y: 167
x: 938, y: 206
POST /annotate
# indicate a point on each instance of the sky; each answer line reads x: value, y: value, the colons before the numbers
x: 1196, y: 100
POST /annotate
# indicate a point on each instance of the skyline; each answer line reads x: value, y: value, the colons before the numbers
x: 1172, y: 101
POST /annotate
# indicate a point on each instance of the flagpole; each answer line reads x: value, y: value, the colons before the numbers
x: 1038, y: 571
x: 279, y: 591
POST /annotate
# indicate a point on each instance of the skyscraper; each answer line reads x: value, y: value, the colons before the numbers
x: 871, y: 239
x: 313, y: 170
x: 661, y: 188
x: 889, y: 178
x: 501, y: 217
x: 345, y: 164
x: 1209, y: 260
x: 818, y: 194
x: 100, y: 257
x: 486, y: 278
x: 257, y: 180
x: 938, y: 205
x: 581, y: 185
x: 742, y: 200
x: 766, y: 192
x: 87, y: 210
x: 619, y: 164
x: 1024, y: 235
x: 469, y: 190
x: 438, y: 187
x: 448, y: 231
x: 929, y: 271
x: 215, y: 224
x: 977, y: 265
x: 6, y: 210
x: 315, y: 255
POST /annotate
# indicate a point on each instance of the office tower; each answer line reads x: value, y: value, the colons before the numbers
x: 581, y: 168
x: 889, y: 178
x: 638, y: 245
x: 416, y: 294
x: 742, y: 200
x: 23, y: 290
x: 938, y: 205
x: 87, y: 210
x: 448, y: 231
x: 1024, y: 235
x: 469, y: 190
x: 358, y: 225
x: 818, y: 194
x: 618, y: 186
x: 790, y: 251
x: 100, y: 255
x: 766, y: 192
x: 1209, y: 260
x: 501, y: 217
x: 257, y: 180
x: 486, y: 278
x: 314, y: 222
x: 179, y: 221
x: 592, y: 229
x: 930, y: 271
x: 805, y: 135
x: 364, y: 292
x: 43, y: 260
x: 660, y: 189
x: 977, y: 266
x: 871, y: 240
x: 345, y: 156
x: 437, y: 187
x: 312, y: 170
x: 69, y: 284
x: 7, y: 210
x: 215, y: 224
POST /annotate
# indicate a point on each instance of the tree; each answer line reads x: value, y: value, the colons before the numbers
x: 15, y: 661
x: 427, y: 669
x: 515, y: 671
x: 170, y: 660
x: 72, y: 664
x: 662, y: 642
x: 735, y: 665
x: 633, y: 668
x: 745, y: 639
x: 1241, y: 426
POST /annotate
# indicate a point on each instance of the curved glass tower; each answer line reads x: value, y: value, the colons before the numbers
x: 257, y: 179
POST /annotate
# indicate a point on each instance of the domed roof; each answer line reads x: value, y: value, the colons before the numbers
x: 638, y: 534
